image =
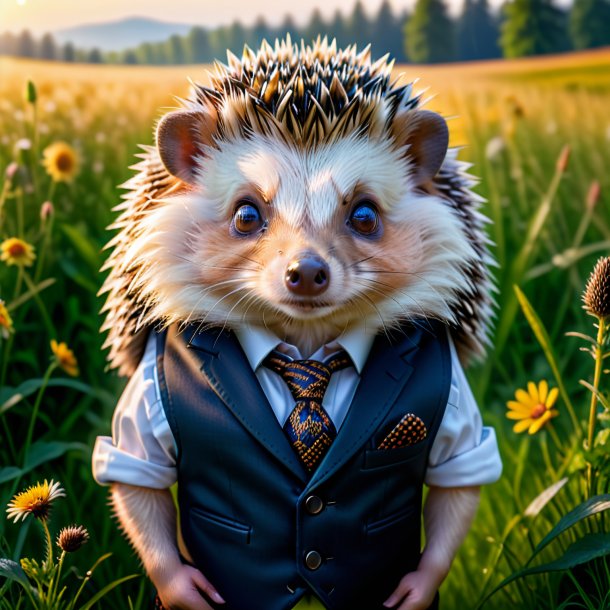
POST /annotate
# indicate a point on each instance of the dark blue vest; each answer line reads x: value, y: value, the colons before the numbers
x: 256, y: 525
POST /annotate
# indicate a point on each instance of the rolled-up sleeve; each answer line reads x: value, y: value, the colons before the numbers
x: 141, y: 450
x: 464, y: 452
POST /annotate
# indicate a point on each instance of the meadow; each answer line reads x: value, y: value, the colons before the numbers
x: 538, y: 134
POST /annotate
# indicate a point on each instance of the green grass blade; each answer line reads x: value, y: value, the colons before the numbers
x: 107, y: 589
x: 589, y: 547
x: 592, y: 506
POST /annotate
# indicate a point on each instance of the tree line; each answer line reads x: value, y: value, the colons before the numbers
x: 428, y: 35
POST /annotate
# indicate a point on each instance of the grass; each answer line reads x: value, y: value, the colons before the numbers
x: 513, y: 119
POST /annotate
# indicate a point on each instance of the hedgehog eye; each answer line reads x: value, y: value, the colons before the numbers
x: 364, y: 219
x: 247, y: 219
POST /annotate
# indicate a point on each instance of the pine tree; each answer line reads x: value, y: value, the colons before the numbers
x: 68, y: 52
x: 237, y: 38
x: 478, y: 32
x: 429, y: 33
x: 94, y: 56
x: 590, y: 23
x: 8, y: 44
x: 260, y: 31
x: 26, y: 47
x: 288, y: 26
x: 386, y: 33
x: 48, y: 48
x: 533, y: 27
x: 198, y: 46
x: 145, y: 53
x: 358, y: 26
x: 337, y: 29
x: 175, y: 50
x: 219, y: 41
x: 316, y: 27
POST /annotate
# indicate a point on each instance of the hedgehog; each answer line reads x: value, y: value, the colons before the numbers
x: 300, y: 225
x: 316, y: 98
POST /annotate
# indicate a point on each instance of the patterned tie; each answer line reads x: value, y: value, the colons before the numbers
x: 309, y: 428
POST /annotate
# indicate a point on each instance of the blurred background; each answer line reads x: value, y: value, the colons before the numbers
x: 525, y: 86
x: 421, y: 31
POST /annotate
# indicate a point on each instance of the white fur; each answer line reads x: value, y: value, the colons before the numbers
x: 305, y: 191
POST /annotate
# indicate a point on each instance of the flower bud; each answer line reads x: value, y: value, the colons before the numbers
x: 46, y: 211
x: 597, y: 293
x: 31, y: 94
x: 564, y: 158
x: 593, y: 195
x: 72, y: 538
x: 11, y: 170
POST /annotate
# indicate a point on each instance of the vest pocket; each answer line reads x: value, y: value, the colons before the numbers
x: 381, y: 458
x: 380, y: 525
x: 221, y: 526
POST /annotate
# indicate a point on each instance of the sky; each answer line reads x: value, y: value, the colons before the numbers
x: 50, y: 15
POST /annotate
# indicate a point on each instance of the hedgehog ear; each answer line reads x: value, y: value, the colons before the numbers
x: 427, y: 136
x: 181, y: 136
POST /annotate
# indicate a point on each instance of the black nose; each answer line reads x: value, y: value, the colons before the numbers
x: 307, y: 276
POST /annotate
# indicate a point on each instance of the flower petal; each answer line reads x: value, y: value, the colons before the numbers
x: 513, y: 405
x: 552, y: 397
x: 524, y: 398
x: 538, y: 423
x: 543, y: 390
x: 532, y: 388
x: 522, y: 425
x: 518, y: 415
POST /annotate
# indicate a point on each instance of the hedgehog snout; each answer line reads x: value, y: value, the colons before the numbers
x: 307, y: 275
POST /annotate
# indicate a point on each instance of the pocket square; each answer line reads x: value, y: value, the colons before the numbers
x: 408, y: 431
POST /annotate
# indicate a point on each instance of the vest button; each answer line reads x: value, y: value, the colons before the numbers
x: 313, y: 560
x: 314, y: 505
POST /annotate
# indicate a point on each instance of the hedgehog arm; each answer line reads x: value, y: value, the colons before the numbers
x: 148, y: 518
x: 448, y: 513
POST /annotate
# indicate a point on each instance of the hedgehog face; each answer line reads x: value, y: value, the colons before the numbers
x: 307, y: 242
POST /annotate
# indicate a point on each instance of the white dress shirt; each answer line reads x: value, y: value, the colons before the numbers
x: 142, y: 450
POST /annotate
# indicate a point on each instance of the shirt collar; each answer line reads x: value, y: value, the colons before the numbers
x: 258, y: 341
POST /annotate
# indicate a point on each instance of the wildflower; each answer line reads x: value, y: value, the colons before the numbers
x: 61, y: 162
x: 533, y: 408
x: 515, y: 107
x: 564, y: 157
x: 23, y: 144
x: 65, y: 357
x: 596, y: 297
x: 6, y: 322
x: 15, y: 251
x: 11, y: 170
x: 494, y: 148
x: 46, y: 211
x: 593, y: 195
x: 72, y: 538
x: 35, y: 500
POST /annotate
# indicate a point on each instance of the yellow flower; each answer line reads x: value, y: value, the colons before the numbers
x: 65, y: 357
x: 35, y: 500
x: 533, y: 408
x: 15, y: 251
x: 60, y: 161
x: 6, y: 322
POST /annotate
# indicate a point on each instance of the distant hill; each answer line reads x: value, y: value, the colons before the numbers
x: 122, y: 34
